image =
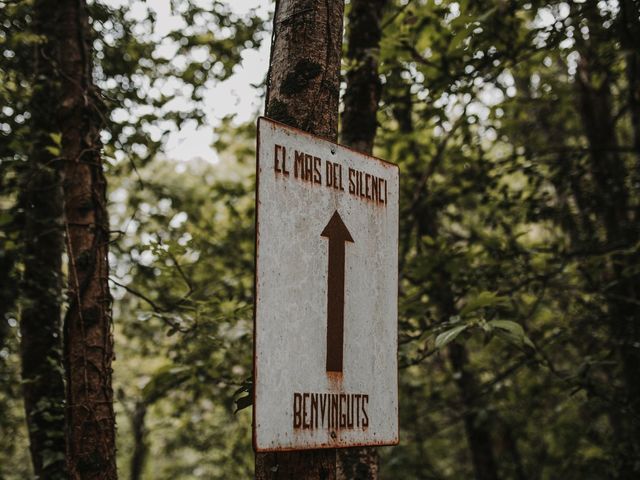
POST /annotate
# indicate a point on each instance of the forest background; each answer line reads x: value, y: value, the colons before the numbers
x: 516, y: 126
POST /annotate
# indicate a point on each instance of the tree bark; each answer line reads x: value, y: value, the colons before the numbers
x: 304, y: 72
x: 42, y: 202
x: 363, y: 83
x: 477, y: 430
x: 620, y: 288
x: 297, y: 465
x: 8, y: 291
x: 163, y: 383
x: 359, y: 125
x: 607, y: 168
x: 303, y: 89
x: 629, y: 27
x: 88, y: 339
x: 620, y: 285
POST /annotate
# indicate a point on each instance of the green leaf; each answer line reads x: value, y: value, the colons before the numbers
x: 485, y: 16
x: 482, y: 300
x: 57, y: 138
x: 514, y: 331
x: 458, y: 39
x: 527, y: 341
x: 50, y: 457
x: 508, y: 325
x: 450, y: 335
x: 55, y: 151
x: 5, y: 219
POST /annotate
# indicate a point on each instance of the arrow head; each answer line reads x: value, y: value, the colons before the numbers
x: 336, y: 229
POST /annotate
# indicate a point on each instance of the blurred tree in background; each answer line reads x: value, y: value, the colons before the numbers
x: 516, y: 126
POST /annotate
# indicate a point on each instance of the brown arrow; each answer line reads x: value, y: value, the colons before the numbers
x: 337, y: 233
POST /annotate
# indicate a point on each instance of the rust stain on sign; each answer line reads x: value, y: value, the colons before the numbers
x: 325, y: 343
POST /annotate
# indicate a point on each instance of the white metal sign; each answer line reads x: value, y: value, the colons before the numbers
x: 325, y: 356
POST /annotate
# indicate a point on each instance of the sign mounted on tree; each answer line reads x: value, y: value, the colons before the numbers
x: 325, y: 356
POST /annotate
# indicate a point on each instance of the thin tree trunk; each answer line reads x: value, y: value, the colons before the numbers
x: 8, y: 291
x: 620, y: 285
x: 607, y: 168
x: 633, y: 77
x: 140, y: 449
x: 629, y: 26
x: 138, y: 419
x: 88, y: 337
x: 358, y: 131
x: 41, y: 199
x: 514, y: 452
x: 8, y: 257
x: 363, y: 83
x: 477, y: 429
x: 303, y: 92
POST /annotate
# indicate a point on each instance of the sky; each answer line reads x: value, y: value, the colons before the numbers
x: 234, y: 95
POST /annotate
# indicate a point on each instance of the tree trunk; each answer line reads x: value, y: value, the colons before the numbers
x: 511, y: 443
x: 477, y: 429
x: 629, y: 27
x: 621, y: 289
x: 363, y: 84
x: 303, y: 92
x: 88, y: 338
x: 163, y: 384
x: 297, y: 465
x: 8, y: 291
x: 41, y: 199
x: 607, y: 168
x: 140, y: 448
x: 358, y: 131
x: 304, y: 72
x: 620, y: 285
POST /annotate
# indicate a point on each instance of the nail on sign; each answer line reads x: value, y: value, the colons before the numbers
x: 325, y: 357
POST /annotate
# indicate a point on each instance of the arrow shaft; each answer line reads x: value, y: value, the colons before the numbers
x: 335, y: 306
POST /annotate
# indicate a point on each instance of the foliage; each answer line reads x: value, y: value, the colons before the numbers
x: 186, y: 261
x: 507, y: 249
x: 488, y: 235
